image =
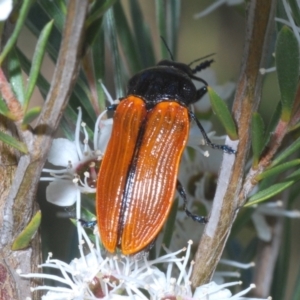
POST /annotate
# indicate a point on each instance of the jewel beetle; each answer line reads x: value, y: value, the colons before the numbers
x: 137, y: 179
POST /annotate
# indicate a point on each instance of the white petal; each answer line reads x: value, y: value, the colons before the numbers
x: 203, y: 105
x: 56, y: 295
x: 225, y: 90
x: 5, y: 9
x: 105, y: 134
x: 61, y: 152
x: 262, y: 228
x: 210, y: 291
x: 158, y: 283
x: 121, y: 297
x: 223, y: 294
x: 209, y: 9
x: 209, y: 75
x: 86, y: 265
x: 61, y: 192
x: 195, y: 136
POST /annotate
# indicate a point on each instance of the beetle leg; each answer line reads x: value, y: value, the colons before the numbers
x: 224, y: 148
x: 201, y: 92
x: 182, y: 193
x: 112, y: 107
x: 149, y: 247
x: 88, y: 224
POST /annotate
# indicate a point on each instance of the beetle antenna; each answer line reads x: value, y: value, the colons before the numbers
x: 201, y: 58
x: 167, y: 47
x: 199, y: 79
x: 202, y: 66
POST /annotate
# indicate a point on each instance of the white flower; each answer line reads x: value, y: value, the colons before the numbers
x: 120, y: 277
x: 219, y: 276
x: 78, y: 160
x: 215, y: 5
x: 274, y: 209
x: 5, y: 9
x: 93, y: 276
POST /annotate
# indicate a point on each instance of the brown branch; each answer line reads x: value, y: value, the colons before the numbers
x: 260, y: 23
x: 19, y: 205
x: 13, y: 105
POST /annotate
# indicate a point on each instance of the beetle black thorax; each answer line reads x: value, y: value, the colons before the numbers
x: 167, y: 81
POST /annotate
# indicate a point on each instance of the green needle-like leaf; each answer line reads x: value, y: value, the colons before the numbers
x: 98, y: 54
x: 269, y: 192
x: 221, y: 110
x: 16, y: 76
x: 295, y: 146
x: 80, y: 95
x: 8, y: 139
x: 95, y: 19
x: 112, y: 36
x: 277, y: 170
x: 98, y: 9
x: 3, y: 108
x: 126, y: 38
x: 173, y: 19
x: 37, y: 61
x: 287, y: 65
x: 31, y: 115
x: 23, y: 239
x: 56, y: 10
x: 142, y: 36
x: 19, y: 25
x: 70, y: 115
x: 274, y: 189
x: 273, y: 123
x: 161, y: 24
x: 295, y: 9
x: 257, y: 132
x: 87, y: 215
x: 37, y: 24
x: 42, y: 83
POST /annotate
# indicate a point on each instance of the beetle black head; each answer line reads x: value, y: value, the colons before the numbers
x: 168, y: 81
